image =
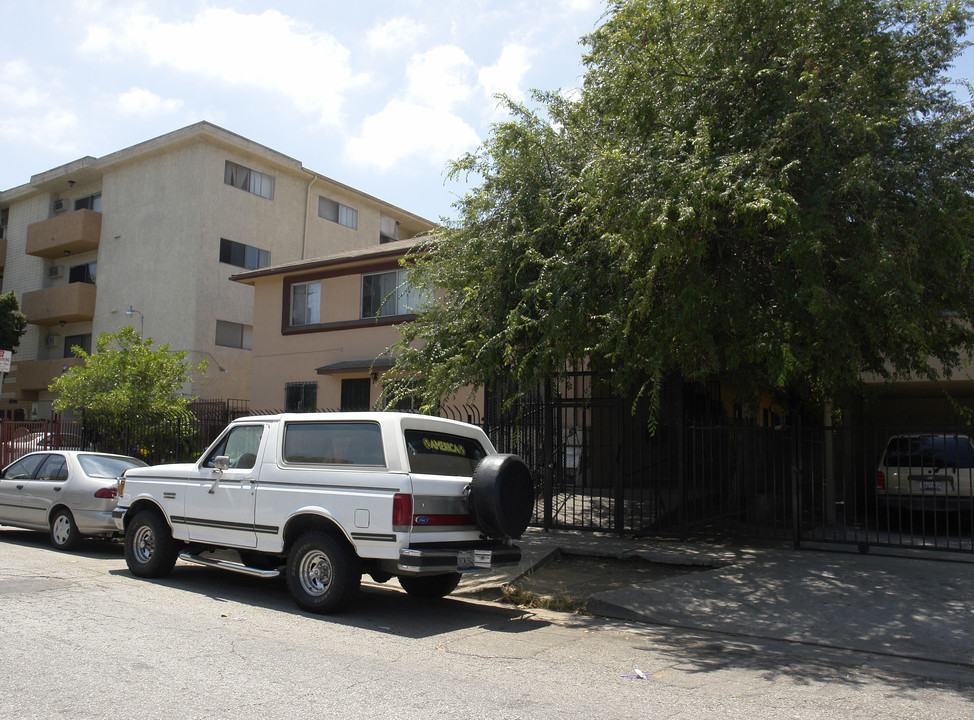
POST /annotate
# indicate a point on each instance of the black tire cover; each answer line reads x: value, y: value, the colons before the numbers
x: 502, y: 496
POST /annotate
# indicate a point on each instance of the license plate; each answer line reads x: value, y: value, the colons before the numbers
x: 932, y: 485
x: 465, y: 560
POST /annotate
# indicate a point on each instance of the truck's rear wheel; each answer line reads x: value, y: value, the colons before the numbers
x: 430, y: 587
x: 150, y: 550
x: 323, y: 574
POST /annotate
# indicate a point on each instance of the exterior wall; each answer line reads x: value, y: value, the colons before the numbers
x: 284, y: 354
x: 280, y: 359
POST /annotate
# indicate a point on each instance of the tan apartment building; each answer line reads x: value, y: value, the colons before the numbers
x: 149, y: 236
x: 322, y: 326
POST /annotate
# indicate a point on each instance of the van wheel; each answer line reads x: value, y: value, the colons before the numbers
x: 502, y: 496
x: 150, y: 550
x: 323, y: 574
x: 430, y: 587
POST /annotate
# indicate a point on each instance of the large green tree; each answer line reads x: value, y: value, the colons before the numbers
x: 126, y: 379
x: 773, y: 193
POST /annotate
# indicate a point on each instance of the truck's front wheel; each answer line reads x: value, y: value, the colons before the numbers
x: 323, y: 574
x: 150, y: 550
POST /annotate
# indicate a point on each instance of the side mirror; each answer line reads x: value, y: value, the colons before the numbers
x: 221, y: 462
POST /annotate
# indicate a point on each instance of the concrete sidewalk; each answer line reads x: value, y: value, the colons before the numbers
x: 919, y: 607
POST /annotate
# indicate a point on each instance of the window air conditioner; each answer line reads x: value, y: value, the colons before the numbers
x: 54, y: 271
x: 58, y: 205
x: 50, y: 341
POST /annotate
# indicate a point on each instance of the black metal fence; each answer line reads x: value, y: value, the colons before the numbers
x: 598, y: 466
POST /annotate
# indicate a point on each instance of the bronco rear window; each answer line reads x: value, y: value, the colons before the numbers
x: 435, y: 453
x: 331, y: 443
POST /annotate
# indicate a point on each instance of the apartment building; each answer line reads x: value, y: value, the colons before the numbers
x: 321, y: 328
x: 149, y: 237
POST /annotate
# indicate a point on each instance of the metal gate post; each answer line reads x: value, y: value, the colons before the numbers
x: 681, y: 470
x: 796, y: 472
x: 549, y: 460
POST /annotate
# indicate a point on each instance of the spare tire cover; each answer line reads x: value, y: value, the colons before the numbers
x: 502, y: 496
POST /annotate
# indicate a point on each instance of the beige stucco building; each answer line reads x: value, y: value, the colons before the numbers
x: 149, y: 237
x: 322, y: 326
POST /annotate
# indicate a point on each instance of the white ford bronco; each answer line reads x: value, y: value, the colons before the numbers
x: 326, y: 497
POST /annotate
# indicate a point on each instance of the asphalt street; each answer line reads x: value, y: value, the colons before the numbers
x: 83, y: 638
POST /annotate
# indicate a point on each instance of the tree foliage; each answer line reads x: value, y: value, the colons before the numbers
x: 13, y: 323
x: 126, y: 379
x: 773, y: 193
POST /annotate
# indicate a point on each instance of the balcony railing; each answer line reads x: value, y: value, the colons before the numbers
x: 74, y: 302
x: 74, y: 232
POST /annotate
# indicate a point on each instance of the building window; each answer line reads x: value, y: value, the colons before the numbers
x: 388, y: 229
x: 300, y: 396
x: 387, y: 293
x: 250, y: 180
x: 91, y: 202
x: 306, y: 303
x: 245, y: 256
x: 355, y: 394
x: 83, y: 273
x: 338, y: 213
x: 72, y: 341
x: 235, y: 335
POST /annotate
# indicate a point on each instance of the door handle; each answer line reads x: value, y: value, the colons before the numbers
x: 57, y: 489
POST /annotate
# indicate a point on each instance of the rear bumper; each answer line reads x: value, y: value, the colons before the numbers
x: 118, y: 518
x: 472, y: 558
x: 95, y: 522
x: 926, y: 503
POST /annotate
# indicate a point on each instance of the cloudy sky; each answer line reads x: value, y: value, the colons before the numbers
x: 377, y: 94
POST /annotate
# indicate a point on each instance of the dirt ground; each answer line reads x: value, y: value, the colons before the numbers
x: 565, y: 582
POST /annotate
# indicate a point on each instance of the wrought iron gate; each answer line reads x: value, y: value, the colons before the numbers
x: 599, y: 466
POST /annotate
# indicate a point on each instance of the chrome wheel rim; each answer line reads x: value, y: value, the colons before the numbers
x: 314, y: 573
x: 61, y: 532
x: 143, y: 544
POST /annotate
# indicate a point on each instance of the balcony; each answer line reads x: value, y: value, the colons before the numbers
x: 70, y: 303
x: 74, y: 232
x: 34, y: 376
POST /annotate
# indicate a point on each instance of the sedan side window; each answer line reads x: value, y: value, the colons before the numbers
x: 54, y: 469
x: 24, y: 468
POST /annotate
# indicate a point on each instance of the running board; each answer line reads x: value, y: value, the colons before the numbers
x: 232, y: 567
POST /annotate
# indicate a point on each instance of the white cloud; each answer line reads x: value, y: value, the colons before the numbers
x: 270, y: 52
x: 506, y: 74
x: 395, y: 34
x: 408, y: 131
x: 145, y: 103
x: 29, y: 115
x: 440, y: 78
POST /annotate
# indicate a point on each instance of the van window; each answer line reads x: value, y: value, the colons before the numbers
x: 435, y: 453
x: 936, y: 451
x: 331, y: 443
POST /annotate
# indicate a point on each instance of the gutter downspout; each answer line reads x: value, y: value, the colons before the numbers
x: 307, y: 214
